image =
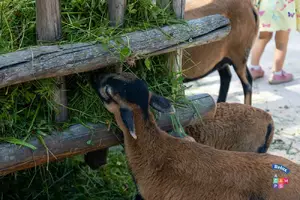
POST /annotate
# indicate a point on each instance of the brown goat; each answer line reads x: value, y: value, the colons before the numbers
x: 235, y: 127
x: 232, y: 50
x: 169, y: 168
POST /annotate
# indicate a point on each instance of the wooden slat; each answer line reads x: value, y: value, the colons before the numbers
x: 175, y: 58
x: 48, y: 28
x: 60, y: 60
x: 116, y: 10
x: 60, y: 97
x: 74, y: 140
x: 48, y: 20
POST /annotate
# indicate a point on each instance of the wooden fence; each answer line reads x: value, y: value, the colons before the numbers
x: 61, y: 60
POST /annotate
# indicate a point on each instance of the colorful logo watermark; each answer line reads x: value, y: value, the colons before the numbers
x: 281, y: 168
x: 280, y: 182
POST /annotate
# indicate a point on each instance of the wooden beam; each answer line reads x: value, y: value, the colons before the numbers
x: 75, y: 140
x: 60, y: 60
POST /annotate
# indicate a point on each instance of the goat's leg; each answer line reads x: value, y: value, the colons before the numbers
x: 138, y: 197
x: 96, y: 159
x: 246, y: 80
x: 225, y: 78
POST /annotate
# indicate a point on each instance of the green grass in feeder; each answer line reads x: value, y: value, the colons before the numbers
x: 27, y: 109
x: 82, y: 21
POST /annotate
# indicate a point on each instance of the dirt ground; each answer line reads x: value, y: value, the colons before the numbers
x: 282, y: 101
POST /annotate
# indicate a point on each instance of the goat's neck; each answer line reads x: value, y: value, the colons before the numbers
x: 141, y: 150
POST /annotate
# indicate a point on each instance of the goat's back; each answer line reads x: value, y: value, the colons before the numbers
x: 189, y: 170
x: 198, y: 61
x: 234, y: 127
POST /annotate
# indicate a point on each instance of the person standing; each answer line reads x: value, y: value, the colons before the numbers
x: 279, y: 17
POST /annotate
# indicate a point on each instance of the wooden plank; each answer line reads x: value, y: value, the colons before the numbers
x: 116, y: 10
x: 48, y: 20
x: 60, y: 97
x: 60, y: 60
x: 175, y: 58
x: 48, y: 28
x: 74, y: 140
x: 178, y: 7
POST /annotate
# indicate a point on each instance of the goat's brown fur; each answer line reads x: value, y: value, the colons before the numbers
x: 199, y: 61
x: 234, y: 127
x: 169, y: 168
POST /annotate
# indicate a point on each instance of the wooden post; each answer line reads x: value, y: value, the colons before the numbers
x: 48, y: 28
x: 116, y: 9
x: 175, y: 58
x: 48, y: 20
x: 60, y: 97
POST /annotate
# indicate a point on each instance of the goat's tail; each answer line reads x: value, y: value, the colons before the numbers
x: 256, y: 18
x: 268, y: 139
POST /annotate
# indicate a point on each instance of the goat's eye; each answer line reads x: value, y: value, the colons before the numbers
x: 106, y: 89
x: 108, y: 97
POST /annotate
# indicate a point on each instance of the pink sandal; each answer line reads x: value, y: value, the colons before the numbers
x: 257, y: 73
x: 282, y: 78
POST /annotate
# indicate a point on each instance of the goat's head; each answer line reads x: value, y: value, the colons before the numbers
x: 123, y: 94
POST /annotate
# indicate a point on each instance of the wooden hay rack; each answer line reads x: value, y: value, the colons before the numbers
x: 61, y: 60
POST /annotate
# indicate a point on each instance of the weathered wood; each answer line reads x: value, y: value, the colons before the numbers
x: 48, y: 20
x: 59, y: 60
x: 60, y: 97
x: 175, y: 58
x: 48, y: 28
x: 75, y: 140
x: 178, y: 7
x: 116, y: 9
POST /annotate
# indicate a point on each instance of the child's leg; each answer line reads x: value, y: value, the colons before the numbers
x: 279, y: 76
x: 281, y: 40
x: 259, y: 47
x: 257, y: 51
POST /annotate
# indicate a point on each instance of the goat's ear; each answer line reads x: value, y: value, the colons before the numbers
x: 160, y: 103
x: 127, y: 117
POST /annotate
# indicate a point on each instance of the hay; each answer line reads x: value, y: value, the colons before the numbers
x: 28, y: 109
